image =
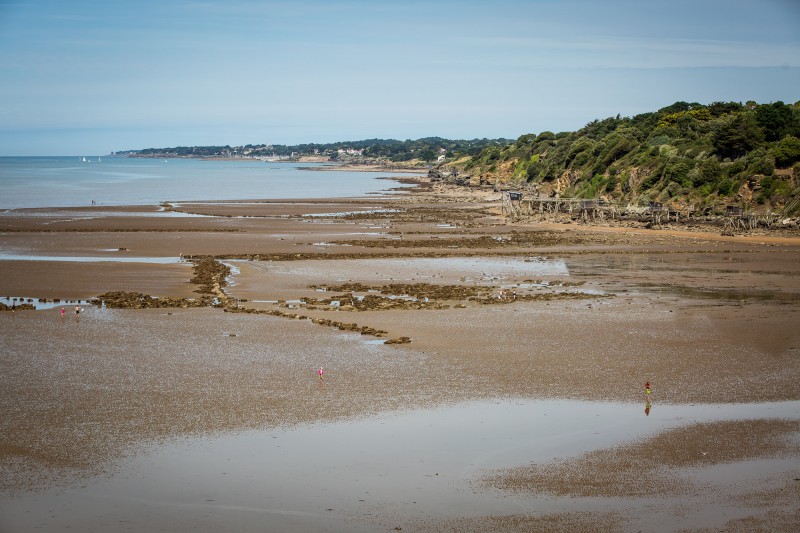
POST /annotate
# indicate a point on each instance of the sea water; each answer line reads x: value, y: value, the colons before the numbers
x: 78, y: 181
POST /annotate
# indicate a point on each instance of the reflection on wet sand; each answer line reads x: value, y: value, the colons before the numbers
x: 340, y: 475
x: 192, y: 418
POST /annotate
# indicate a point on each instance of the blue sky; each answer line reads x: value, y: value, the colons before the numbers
x: 84, y: 77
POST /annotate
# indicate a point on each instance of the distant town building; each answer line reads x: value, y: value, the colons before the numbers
x: 350, y: 151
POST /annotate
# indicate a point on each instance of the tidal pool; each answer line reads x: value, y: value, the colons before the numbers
x: 40, y: 304
x: 62, y: 215
x: 96, y: 259
x: 465, y: 269
x: 360, y: 475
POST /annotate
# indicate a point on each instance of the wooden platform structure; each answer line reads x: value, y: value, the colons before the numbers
x: 517, y: 205
x: 738, y: 219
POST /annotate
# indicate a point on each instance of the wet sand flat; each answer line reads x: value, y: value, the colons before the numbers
x: 71, y: 280
x: 489, y: 310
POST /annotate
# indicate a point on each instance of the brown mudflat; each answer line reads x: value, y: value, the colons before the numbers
x: 491, y: 309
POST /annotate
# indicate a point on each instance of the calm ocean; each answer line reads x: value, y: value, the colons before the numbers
x: 71, y: 182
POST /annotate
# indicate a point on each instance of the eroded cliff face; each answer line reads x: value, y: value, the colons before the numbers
x: 635, y: 177
x: 627, y: 187
x: 503, y: 173
x: 568, y: 178
x: 500, y: 174
x: 746, y: 191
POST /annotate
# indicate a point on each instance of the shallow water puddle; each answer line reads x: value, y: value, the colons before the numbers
x: 339, y: 214
x: 40, y: 304
x: 87, y: 259
x: 68, y: 216
x: 467, y: 269
x: 360, y: 474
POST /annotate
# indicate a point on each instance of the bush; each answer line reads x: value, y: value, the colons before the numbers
x: 677, y: 171
x: 580, y: 159
x: 758, y: 162
x: 581, y: 145
x: 658, y: 140
x: 707, y: 172
x: 734, y: 168
x: 534, y: 169
x: 705, y: 190
x: 619, y: 149
x: 667, y: 150
x: 649, y: 181
x: 727, y: 186
x: 786, y: 152
x: 773, y: 188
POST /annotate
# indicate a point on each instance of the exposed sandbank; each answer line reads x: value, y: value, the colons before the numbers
x: 706, y: 318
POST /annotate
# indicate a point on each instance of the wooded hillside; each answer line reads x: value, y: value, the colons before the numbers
x: 708, y: 156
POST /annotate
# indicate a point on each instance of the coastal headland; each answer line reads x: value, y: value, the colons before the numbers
x: 211, y: 321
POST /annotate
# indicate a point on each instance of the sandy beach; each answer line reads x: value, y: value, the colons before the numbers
x: 475, y: 309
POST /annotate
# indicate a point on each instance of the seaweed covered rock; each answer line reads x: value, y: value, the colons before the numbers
x: 137, y: 300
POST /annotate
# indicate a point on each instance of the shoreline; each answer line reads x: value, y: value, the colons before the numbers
x: 329, y: 164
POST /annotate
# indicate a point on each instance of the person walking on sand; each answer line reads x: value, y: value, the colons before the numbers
x: 647, y: 391
x: 63, y: 312
x: 320, y: 373
x: 77, y: 310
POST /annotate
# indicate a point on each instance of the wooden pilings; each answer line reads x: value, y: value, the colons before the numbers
x: 516, y: 205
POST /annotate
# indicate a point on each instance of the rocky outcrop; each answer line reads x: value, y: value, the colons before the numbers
x: 137, y: 300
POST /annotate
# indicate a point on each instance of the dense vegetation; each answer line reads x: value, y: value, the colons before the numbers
x: 425, y: 150
x: 682, y: 155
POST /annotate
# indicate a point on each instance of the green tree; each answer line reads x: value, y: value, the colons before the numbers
x: 581, y: 145
x: 735, y: 135
x: 678, y: 107
x: 718, y: 109
x: 777, y: 120
x: 427, y: 155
